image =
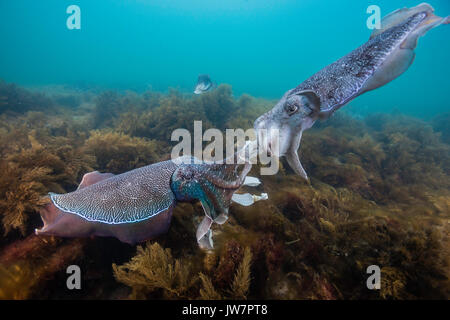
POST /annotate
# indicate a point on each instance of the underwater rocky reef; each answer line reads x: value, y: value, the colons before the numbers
x: 379, y: 193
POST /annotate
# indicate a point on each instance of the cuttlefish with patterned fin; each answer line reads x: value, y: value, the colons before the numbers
x: 133, y: 206
x: 137, y: 205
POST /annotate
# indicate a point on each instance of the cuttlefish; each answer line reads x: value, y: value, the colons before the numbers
x: 386, y: 55
x: 204, y: 84
x: 137, y: 205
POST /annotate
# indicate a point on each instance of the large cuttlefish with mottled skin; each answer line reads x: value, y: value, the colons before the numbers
x: 137, y: 205
x: 388, y: 53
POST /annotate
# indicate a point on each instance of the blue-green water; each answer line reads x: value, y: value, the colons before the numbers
x: 260, y: 47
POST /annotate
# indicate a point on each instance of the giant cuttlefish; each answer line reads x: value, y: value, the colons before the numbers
x: 137, y: 205
x: 388, y: 53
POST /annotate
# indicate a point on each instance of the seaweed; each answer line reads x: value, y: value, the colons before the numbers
x: 154, y: 268
x: 241, y: 281
x: 208, y: 292
x: 440, y: 125
x: 239, y: 286
x: 27, y: 265
x: 35, y: 162
x: 378, y: 194
x: 117, y: 153
x: 16, y: 99
x: 20, y: 194
x: 30, y: 174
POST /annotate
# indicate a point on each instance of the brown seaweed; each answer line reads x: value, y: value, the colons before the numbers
x: 154, y: 268
x: 379, y: 194
x: 117, y: 153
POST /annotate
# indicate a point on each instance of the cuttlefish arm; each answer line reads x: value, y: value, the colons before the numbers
x: 388, y: 54
x: 214, y: 185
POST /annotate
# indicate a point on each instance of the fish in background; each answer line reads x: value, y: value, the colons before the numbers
x: 204, y: 84
x: 385, y: 56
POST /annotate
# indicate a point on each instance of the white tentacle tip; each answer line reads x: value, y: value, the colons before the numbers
x: 252, y: 181
x: 248, y: 199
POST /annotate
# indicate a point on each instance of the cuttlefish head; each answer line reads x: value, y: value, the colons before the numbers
x: 280, y: 130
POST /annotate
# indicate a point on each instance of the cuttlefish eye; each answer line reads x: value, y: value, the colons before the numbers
x: 291, y: 107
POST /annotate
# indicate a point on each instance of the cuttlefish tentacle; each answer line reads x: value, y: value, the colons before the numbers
x: 388, y: 54
x: 214, y: 189
x: 214, y: 185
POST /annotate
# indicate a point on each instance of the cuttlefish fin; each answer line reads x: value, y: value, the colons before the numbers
x: 93, y: 177
x: 204, y: 233
x: 398, y: 16
x: 50, y: 214
x: 430, y: 22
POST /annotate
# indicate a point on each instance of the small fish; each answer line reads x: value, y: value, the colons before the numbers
x: 204, y: 84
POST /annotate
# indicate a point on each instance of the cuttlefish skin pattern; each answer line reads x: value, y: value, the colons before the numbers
x: 137, y: 205
x: 213, y: 185
x: 385, y: 56
x: 344, y: 79
x: 129, y: 197
x: 134, y: 206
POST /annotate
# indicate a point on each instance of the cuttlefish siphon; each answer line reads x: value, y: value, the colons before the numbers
x: 137, y: 205
x: 388, y: 53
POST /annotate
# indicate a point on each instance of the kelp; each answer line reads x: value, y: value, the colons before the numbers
x: 379, y: 193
